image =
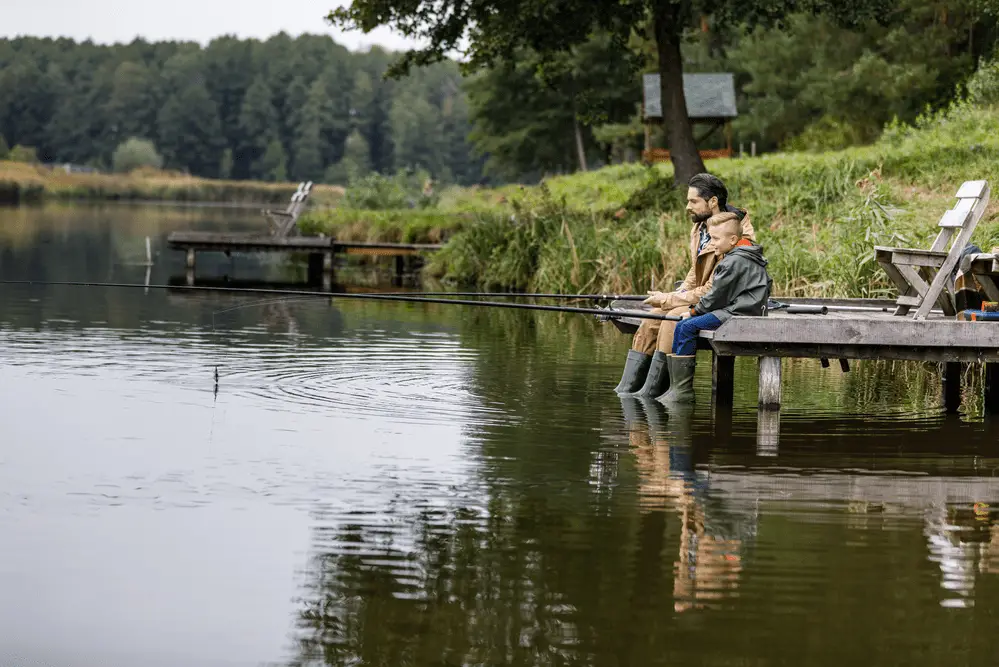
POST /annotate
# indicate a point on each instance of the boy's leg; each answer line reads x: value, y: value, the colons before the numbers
x: 683, y: 361
x: 685, y: 336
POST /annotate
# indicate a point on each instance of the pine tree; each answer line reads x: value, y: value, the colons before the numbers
x: 307, y: 150
x: 273, y: 163
x: 258, y: 121
x: 190, y: 132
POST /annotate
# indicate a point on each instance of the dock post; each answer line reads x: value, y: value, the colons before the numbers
x: 327, y: 271
x: 314, y: 274
x: 991, y: 403
x: 952, y: 386
x: 190, y: 259
x: 770, y: 385
x: 722, y: 378
x: 400, y: 266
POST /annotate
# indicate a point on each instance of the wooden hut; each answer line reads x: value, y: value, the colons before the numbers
x: 710, y: 103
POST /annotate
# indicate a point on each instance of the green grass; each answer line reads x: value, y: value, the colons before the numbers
x: 623, y: 228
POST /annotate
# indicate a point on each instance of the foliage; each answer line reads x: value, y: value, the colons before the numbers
x: 77, y: 102
x: 4, y: 148
x: 134, y: 153
x: 405, y: 189
x: 21, y: 153
x: 26, y: 182
x: 384, y: 225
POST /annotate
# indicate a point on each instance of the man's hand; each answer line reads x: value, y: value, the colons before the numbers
x: 685, y: 315
x: 656, y: 298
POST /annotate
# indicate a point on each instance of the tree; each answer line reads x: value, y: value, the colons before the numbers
x: 273, y: 164
x: 134, y: 101
x: 189, y: 131
x: 4, y: 148
x: 258, y: 121
x: 497, y: 29
x: 307, y: 152
x: 135, y: 153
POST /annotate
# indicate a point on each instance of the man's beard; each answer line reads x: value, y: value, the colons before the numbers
x: 700, y: 217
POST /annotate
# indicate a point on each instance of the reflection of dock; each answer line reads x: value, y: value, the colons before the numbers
x: 320, y: 250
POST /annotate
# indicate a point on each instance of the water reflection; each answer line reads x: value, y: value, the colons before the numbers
x: 398, y: 484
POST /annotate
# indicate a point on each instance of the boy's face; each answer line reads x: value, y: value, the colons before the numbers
x: 722, y: 239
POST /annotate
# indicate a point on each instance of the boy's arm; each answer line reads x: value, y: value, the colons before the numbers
x: 718, y: 296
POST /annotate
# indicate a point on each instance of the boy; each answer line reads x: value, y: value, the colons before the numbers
x: 740, y: 286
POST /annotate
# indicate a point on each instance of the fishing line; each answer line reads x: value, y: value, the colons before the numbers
x: 641, y: 314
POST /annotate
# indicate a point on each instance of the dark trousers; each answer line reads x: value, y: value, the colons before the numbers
x: 685, y: 336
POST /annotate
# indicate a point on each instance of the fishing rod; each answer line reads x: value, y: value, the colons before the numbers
x: 535, y: 295
x: 373, y: 297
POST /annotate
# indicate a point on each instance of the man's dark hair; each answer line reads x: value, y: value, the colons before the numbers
x: 709, y: 186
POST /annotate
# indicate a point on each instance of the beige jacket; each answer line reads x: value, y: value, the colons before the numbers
x: 702, y: 267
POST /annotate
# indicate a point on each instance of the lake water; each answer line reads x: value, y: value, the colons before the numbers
x: 402, y: 484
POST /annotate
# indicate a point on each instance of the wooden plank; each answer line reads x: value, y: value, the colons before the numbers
x: 818, y: 351
x: 972, y: 190
x: 989, y: 285
x: 884, y: 330
x: 913, y: 278
x: 958, y: 216
x: 933, y: 261
x: 962, y: 239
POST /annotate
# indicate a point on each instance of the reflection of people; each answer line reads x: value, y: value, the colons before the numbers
x: 713, y: 534
x: 645, y: 371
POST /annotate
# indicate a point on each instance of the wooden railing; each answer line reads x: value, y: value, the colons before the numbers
x: 662, y: 154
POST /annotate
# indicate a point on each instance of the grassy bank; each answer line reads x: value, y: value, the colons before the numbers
x: 819, y: 216
x: 26, y: 183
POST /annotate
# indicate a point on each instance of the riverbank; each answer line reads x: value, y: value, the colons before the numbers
x: 27, y: 183
x: 623, y: 228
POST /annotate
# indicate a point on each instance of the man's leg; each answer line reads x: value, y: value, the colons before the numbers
x: 657, y: 377
x: 636, y: 366
x: 684, y: 359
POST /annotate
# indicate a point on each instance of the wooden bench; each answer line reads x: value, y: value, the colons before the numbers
x: 922, y: 276
x: 281, y: 223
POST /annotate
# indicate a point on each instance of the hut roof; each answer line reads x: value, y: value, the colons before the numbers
x: 708, y: 95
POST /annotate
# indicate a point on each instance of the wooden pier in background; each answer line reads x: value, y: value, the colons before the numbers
x: 320, y: 250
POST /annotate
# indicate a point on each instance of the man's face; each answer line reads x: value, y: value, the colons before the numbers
x: 722, y: 239
x: 699, y: 208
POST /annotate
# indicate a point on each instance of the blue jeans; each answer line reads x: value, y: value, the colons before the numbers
x: 685, y: 335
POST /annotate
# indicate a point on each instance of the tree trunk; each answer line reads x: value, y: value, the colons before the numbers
x: 679, y: 130
x: 580, y: 149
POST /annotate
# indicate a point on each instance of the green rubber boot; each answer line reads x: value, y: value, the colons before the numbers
x: 681, y: 370
x: 635, y: 369
x: 657, y: 379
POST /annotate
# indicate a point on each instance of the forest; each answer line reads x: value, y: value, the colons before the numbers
x: 306, y: 108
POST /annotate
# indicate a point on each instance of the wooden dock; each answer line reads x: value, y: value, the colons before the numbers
x: 319, y: 249
x: 843, y: 335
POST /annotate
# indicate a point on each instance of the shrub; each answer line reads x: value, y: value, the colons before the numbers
x: 135, y: 153
x: 406, y: 189
x: 19, y: 153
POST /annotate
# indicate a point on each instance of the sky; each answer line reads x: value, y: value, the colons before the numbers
x: 110, y: 21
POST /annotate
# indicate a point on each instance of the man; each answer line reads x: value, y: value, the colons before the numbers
x: 646, y: 373
x: 740, y: 286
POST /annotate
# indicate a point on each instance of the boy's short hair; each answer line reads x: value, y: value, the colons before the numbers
x: 728, y: 220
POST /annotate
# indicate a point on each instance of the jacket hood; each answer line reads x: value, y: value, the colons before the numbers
x: 753, y: 253
x: 741, y: 212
